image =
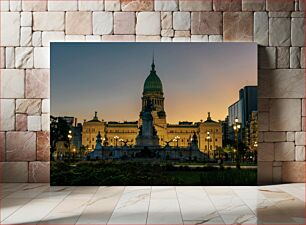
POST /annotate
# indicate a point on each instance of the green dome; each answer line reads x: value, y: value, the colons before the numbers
x: 153, y: 82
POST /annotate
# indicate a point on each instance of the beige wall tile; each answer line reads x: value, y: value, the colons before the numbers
x: 169, y: 5
x: 148, y: 23
x: 284, y: 151
x: 293, y: 172
x: 181, y: 21
x: 56, y: 5
x: 102, y: 23
x: 7, y: 114
x: 39, y: 172
x: 48, y: 21
x: 20, y: 146
x: 28, y: 106
x: 14, y: 171
x: 227, y: 5
x: 197, y: 5
x: 137, y: 5
x: 78, y: 23
x: 91, y: 5
x: 281, y: 83
x: 10, y: 28
x: 286, y: 114
x: 37, y: 83
x: 253, y: 5
x: 124, y: 22
x: 280, y: 5
x: 238, y: 26
x: 206, y: 23
x: 34, y: 5
x: 12, y: 83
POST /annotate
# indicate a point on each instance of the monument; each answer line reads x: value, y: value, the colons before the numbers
x: 147, y: 136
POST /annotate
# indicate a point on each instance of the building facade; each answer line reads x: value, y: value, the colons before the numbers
x: 242, y: 110
x: 208, y: 132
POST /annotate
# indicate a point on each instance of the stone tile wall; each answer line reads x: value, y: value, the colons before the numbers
x: 28, y: 26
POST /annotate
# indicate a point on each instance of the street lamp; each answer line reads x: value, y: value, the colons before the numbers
x: 177, y: 138
x: 208, y: 138
x: 255, y: 144
x: 103, y: 141
x: 236, y: 127
x: 255, y: 150
x: 116, y: 140
x: 69, y: 138
x: 121, y: 141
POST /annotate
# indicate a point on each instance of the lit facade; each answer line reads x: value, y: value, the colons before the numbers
x: 209, y: 132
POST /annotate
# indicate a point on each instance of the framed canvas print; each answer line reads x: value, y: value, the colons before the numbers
x: 153, y: 113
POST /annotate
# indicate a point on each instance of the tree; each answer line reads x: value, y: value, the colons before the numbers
x: 59, y: 131
x: 83, y: 150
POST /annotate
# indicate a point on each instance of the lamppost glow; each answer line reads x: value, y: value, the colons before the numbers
x: 121, y: 141
x: 255, y: 144
x: 69, y: 141
x: 176, y: 139
x: 116, y: 140
x: 236, y: 128
x: 255, y: 150
x: 103, y: 140
x: 208, y: 140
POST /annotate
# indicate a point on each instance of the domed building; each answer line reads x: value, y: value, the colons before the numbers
x: 175, y: 135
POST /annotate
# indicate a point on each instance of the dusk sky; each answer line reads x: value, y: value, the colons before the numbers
x: 108, y: 77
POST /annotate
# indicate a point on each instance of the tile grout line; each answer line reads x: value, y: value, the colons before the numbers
x: 87, y: 204
x: 203, y: 187
x: 54, y: 207
x: 255, y: 213
x: 178, y: 201
x: 29, y: 200
x: 116, y: 205
x: 149, y: 205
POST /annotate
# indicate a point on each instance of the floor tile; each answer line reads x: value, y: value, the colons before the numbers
x: 100, y: 208
x: 132, y: 207
x: 32, y: 212
x: 42, y: 204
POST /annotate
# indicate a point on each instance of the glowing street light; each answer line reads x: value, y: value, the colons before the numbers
x: 69, y: 141
x: 116, y: 140
x: 121, y: 141
x: 208, y: 138
x: 255, y: 144
x: 236, y: 128
x: 176, y: 139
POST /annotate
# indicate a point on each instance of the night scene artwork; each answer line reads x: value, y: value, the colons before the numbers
x: 153, y: 114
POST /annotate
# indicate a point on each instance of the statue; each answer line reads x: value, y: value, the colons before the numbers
x: 147, y: 136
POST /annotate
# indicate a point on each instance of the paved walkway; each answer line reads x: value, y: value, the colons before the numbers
x: 40, y: 203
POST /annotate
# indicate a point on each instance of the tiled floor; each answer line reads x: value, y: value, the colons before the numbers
x: 42, y: 204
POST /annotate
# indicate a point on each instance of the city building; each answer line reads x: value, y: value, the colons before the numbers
x: 208, y: 132
x: 76, y: 140
x: 225, y: 132
x: 242, y: 110
x: 248, y: 99
x: 253, y: 131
